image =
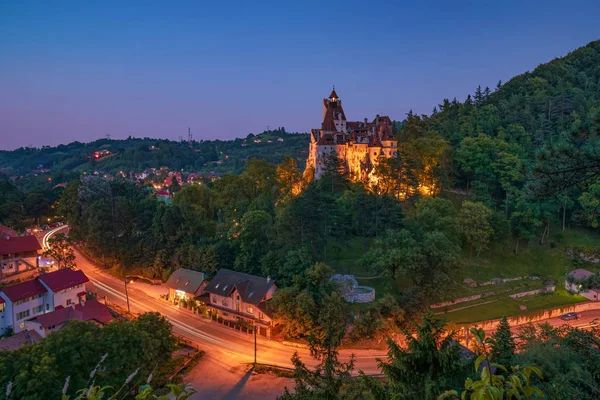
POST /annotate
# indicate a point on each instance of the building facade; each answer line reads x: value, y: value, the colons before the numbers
x: 237, y: 296
x: 360, y: 145
x: 27, y: 300
x: 186, y: 284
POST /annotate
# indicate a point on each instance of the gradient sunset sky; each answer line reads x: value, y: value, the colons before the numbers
x: 78, y: 70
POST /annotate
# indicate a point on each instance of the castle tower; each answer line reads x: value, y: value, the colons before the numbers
x: 334, y: 119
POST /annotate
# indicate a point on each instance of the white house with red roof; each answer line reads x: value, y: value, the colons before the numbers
x: 18, y: 253
x: 26, y: 300
x: 22, y: 301
x: 66, y: 285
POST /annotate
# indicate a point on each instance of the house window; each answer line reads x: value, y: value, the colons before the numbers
x: 68, y: 302
x: 261, y: 315
x: 224, y: 302
x: 38, y: 309
x: 22, y: 314
x: 47, y: 307
x: 41, y: 328
x: 250, y: 310
x: 214, y: 300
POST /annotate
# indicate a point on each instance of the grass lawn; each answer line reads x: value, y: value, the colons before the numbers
x: 549, y: 261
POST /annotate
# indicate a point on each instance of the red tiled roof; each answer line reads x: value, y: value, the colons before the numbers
x: 59, y: 316
x: 162, y: 193
x: 92, y: 310
x: 23, y: 290
x: 19, y: 244
x: 17, y: 341
x: 63, y: 279
x: 81, y: 294
x: 333, y: 95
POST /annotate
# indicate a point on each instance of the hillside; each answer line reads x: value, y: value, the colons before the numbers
x: 134, y: 154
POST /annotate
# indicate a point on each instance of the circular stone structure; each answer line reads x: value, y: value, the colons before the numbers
x: 352, y: 292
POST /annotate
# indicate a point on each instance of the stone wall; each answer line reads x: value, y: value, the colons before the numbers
x: 351, y: 291
x: 535, y: 316
x: 547, y: 289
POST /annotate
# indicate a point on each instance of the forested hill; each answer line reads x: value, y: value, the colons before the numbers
x: 460, y: 140
x: 220, y: 156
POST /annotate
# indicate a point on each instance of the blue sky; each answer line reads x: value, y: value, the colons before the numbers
x: 80, y: 70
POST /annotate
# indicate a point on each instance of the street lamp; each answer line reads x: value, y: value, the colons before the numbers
x: 127, y: 280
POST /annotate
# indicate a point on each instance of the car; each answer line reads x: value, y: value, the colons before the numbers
x: 569, y: 316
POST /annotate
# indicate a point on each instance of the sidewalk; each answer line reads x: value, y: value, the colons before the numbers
x: 215, y: 380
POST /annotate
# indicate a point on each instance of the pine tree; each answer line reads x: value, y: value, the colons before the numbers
x: 478, y: 96
x: 486, y: 94
x: 503, y: 348
x: 499, y: 85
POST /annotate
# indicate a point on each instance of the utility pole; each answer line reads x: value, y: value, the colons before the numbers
x: 255, y: 328
x: 127, y: 294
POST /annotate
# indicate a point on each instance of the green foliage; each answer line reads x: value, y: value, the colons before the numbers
x: 503, y: 346
x: 39, y: 371
x: 517, y: 385
x: 59, y: 249
x: 430, y: 362
x: 331, y: 378
x: 476, y: 226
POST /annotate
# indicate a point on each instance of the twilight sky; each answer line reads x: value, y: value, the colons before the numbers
x: 77, y: 70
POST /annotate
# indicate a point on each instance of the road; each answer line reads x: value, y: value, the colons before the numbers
x: 234, y: 347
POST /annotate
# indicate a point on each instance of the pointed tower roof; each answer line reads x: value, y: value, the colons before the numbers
x: 333, y: 94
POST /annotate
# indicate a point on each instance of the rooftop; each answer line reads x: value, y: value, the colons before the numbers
x: 19, y: 244
x: 63, y: 279
x: 91, y: 310
x: 23, y: 290
x: 580, y: 274
x: 251, y: 288
x: 186, y: 280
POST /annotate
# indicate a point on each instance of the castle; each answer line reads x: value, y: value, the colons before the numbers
x: 359, y: 144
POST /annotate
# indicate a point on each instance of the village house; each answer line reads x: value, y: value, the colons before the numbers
x: 26, y: 300
x: 235, y: 296
x: 579, y: 275
x: 17, y: 254
x: 186, y: 284
x: 91, y: 310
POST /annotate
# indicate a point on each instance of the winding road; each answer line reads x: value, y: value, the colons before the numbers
x: 234, y: 348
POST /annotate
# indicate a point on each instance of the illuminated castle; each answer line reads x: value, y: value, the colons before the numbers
x: 360, y: 144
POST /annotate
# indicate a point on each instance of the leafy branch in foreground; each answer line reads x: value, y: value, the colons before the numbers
x: 490, y: 386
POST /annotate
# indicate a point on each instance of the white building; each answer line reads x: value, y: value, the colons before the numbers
x: 26, y: 300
